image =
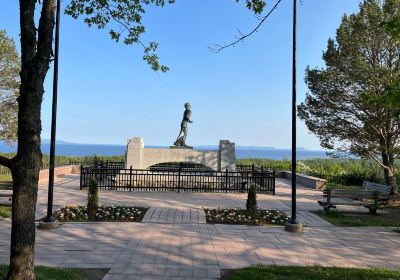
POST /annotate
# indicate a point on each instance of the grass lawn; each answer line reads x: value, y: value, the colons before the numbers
x: 5, y: 211
x: 46, y: 273
x: 308, y: 273
x: 349, y: 219
x: 5, y: 179
x: 53, y: 273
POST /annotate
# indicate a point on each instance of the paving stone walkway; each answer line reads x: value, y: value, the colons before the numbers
x: 174, y: 216
x: 174, y: 242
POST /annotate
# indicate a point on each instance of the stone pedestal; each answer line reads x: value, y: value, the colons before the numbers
x: 294, y: 228
x: 140, y: 157
x: 226, y: 156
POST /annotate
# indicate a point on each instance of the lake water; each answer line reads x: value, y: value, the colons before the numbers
x: 115, y: 150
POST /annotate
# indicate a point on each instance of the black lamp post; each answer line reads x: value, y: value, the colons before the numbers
x: 293, y: 225
x: 50, y: 221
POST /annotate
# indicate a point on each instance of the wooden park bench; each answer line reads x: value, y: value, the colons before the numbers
x: 6, y: 195
x: 373, y: 197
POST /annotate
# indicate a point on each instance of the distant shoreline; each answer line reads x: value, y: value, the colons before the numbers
x: 72, y: 149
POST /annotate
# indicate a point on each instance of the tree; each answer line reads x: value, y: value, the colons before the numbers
x: 393, y: 90
x: 346, y: 106
x: 36, y: 55
x: 9, y: 88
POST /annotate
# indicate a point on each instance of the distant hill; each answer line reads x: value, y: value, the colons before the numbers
x: 76, y: 149
x: 58, y: 142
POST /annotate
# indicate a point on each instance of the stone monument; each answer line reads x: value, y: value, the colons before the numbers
x: 140, y: 157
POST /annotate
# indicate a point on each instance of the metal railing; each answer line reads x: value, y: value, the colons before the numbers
x: 178, y: 180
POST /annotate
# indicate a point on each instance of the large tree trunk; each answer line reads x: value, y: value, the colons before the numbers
x: 35, y: 59
x: 25, y: 177
x: 25, y: 169
x: 390, y: 180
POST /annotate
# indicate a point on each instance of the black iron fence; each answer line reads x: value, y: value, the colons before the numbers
x: 176, y: 166
x: 180, y: 180
x: 252, y: 168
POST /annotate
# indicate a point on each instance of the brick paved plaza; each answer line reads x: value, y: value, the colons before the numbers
x: 174, y: 242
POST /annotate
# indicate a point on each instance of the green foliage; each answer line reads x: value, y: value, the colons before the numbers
x: 346, y: 107
x: 123, y: 19
x: 9, y: 88
x: 251, y: 204
x: 274, y: 272
x: 5, y: 173
x: 338, y: 172
x: 65, y: 160
x: 93, y: 199
x: 257, y: 6
x: 96, y: 160
x: 5, y: 211
x: 393, y: 96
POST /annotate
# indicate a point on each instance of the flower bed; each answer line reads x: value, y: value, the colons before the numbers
x: 243, y: 217
x: 111, y: 213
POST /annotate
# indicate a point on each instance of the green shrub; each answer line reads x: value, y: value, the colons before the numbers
x: 251, y: 204
x: 93, y: 199
x: 338, y: 171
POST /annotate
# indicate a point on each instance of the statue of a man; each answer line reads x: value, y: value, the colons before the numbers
x: 181, y: 140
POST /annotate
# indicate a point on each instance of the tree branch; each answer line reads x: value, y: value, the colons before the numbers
x: 373, y: 157
x: 5, y: 161
x: 217, y: 48
x: 45, y: 37
x: 126, y: 27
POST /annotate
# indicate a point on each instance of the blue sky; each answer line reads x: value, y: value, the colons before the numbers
x: 108, y: 94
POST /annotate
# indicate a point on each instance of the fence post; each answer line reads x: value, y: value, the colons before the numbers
x: 179, y: 177
x: 226, y: 180
x: 262, y: 183
x: 252, y: 168
x: 80, y: 179
x: 130, y: 178
x: 273, y: 181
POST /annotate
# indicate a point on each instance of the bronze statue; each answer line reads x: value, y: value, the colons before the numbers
x: 181, y: 140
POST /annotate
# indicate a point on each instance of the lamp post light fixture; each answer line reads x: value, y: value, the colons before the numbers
x: 293, y: 225
x: 50, y: 222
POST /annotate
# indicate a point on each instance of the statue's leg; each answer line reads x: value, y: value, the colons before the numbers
x: 184, y: 135
x: 179, y: 135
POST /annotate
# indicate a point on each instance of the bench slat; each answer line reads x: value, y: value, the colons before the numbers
x: 377, y: 187
x: 368, y: 198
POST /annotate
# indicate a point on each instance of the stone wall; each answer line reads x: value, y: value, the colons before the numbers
x: 140, y: 157
x: 59, y: 171
x: 305, y: 180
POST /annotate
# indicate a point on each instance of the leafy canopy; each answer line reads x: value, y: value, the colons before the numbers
x: 346, y: 106
x: 123, y: 20
x: 9, y: 88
